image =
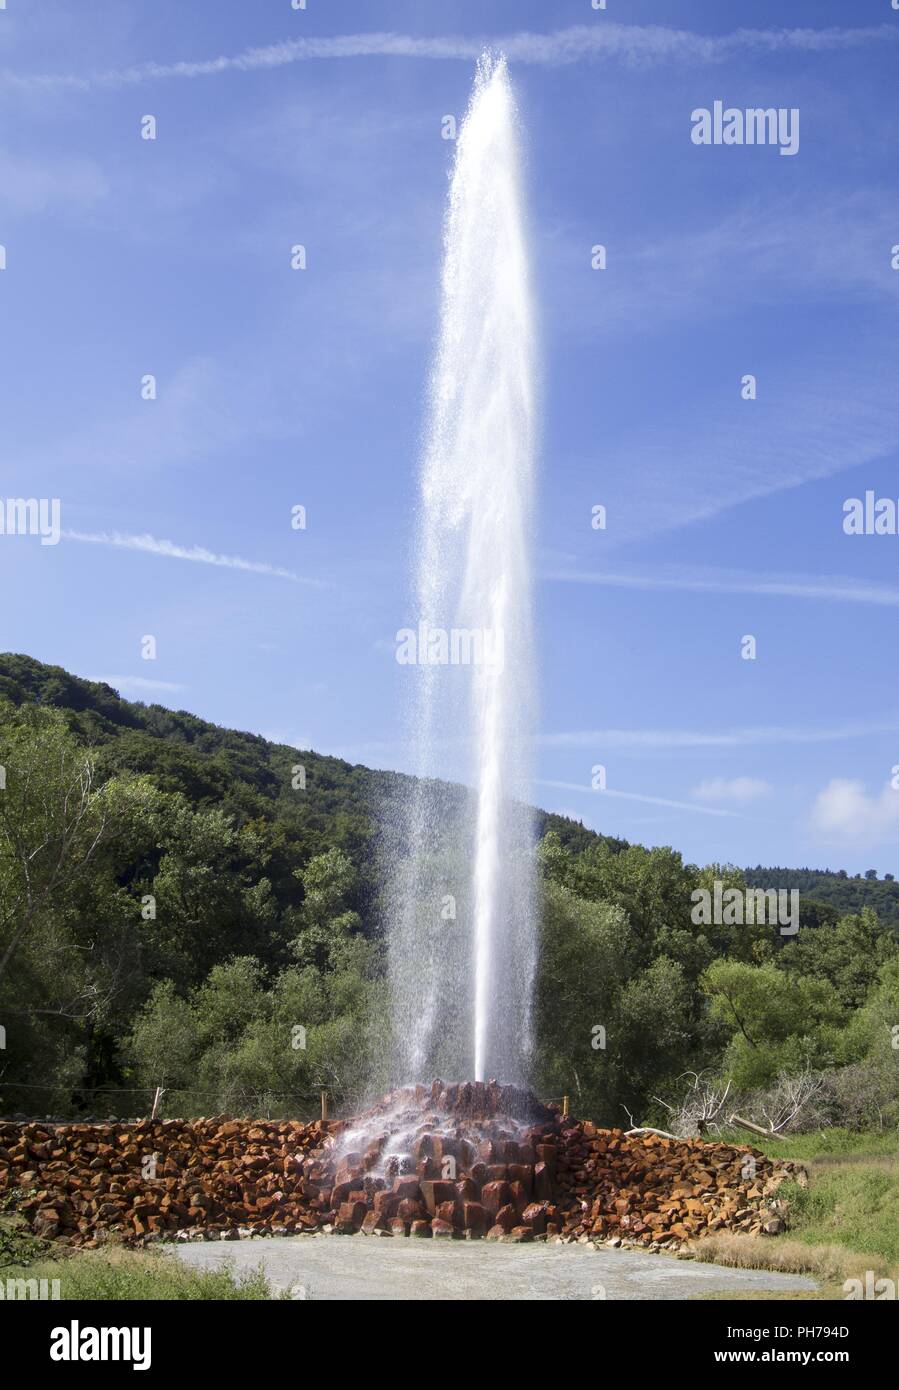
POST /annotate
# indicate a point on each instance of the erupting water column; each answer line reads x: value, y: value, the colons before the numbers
x: 462, y: 988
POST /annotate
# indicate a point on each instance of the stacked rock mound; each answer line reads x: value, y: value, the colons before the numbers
x: 449, y: 1161
x: 647, y: 1190
x: 83, y: 1184
x: 454, y: 1160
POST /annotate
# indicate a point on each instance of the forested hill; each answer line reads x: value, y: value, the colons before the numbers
x: 242, y: 774
x: 249, y: 777
x: 176, y: 905
x: 834, y: 889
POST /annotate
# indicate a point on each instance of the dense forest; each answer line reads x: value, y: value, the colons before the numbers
x: 835, y: 890
x: 193, y: 908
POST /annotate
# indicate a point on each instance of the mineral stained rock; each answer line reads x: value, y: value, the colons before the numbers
x: 458, y: 1161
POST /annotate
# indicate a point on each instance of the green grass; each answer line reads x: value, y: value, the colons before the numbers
x: 17, y: 1245
x: 852, y: 1199
x: 823, y: 1144
x: 855, y: 1205
x: 845, y: 1221
x: 94, y: 1276
x: 833, y: 1144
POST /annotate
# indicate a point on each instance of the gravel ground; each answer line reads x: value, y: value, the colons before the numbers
x: 363, y: 1267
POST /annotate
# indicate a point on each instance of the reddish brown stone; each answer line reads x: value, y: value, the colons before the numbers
x: 406, y: 1187
x: 468, y: 1190
x: 433, y: 1193
x: 535, y: 1217
x: 447, y: 1211
x: 385, y: 1203
x: 354, y: 1212
x: 507, y: 1217
x: 520, y: 1196
x: 543, y: 1188
x: 522, y: 1173
x: 474, y: 1218
x: 495, y: 1195
x: 46, y: 1222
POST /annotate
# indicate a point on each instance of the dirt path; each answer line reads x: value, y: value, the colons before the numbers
x: 361, y: 1267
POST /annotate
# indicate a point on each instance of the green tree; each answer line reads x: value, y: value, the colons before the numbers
x: 778, y: 1021
x: 165, y: 1043
x: 328, y: 925
x: 586, y: 958
x: 848, y: 955
x: 211, y: 901
x: 873, y: 1030
x: 55, y: 821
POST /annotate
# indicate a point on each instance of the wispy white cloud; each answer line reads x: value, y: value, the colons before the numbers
x: 836, y: 589
x: 631, y: 45
x: 740, y: 789
x: 150, y: 545
x: 648, y: 739
x: 288, y: 738
x: 139, y: 685
x: 651, y: 740
x: 786, y: 255
x: 844, y: 811
x: 639, y: 796
x: 829, y: 415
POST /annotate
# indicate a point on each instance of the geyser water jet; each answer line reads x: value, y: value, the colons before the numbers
x: 462, y: 933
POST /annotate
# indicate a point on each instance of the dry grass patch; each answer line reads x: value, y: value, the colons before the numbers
x: 829, y: 1262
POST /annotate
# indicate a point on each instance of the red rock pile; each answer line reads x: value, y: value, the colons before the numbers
x: 461, y: 1161
x: 454, y: 1160
x: 86, y: 1183
x: 653, y: 1191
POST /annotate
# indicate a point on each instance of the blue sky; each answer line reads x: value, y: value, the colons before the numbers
x: 278, y: 387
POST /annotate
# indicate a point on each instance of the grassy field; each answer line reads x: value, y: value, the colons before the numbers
x: 117, y: 1274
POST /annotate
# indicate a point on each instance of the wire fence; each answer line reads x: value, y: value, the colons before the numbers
x: 75, y: 1102
x: 82, y: 1102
